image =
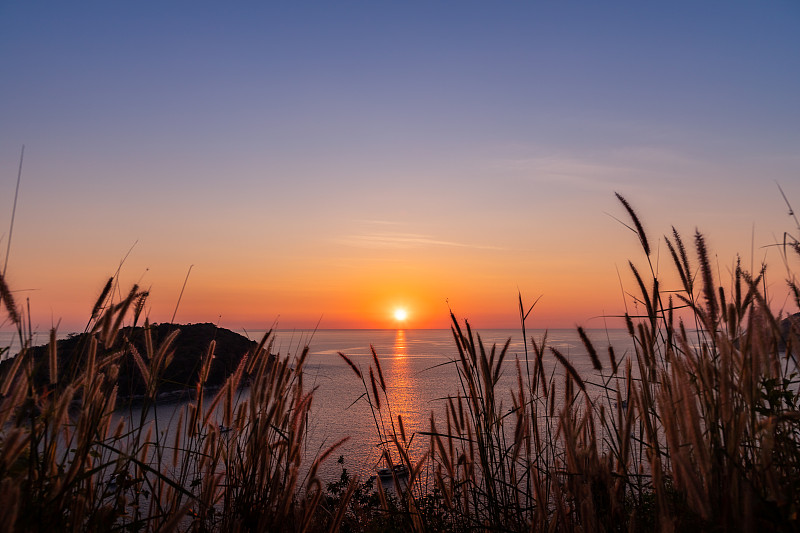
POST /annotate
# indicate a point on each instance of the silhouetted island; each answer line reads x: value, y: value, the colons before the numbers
x: 790, y: 327
x: 188, y: 349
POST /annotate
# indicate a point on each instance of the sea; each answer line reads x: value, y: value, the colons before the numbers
x: 420, y: 371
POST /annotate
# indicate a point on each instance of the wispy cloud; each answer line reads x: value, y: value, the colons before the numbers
x: 377, y: 222
x: 604, y: 170
x: 404, y: 240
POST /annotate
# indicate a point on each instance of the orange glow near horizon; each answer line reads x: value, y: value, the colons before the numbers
x: 342, y: 288
x: 245, y: 301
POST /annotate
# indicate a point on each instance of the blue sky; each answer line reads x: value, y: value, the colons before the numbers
x: 286, y: 134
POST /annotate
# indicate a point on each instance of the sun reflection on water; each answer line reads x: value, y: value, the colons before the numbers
x: 400, y: 345
x: 404, y: 393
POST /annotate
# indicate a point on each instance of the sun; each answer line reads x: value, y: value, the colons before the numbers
x: 400, y: 314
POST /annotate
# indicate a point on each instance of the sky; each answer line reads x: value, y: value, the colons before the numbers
x: 324, y: 164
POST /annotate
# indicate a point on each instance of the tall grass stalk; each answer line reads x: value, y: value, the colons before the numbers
x: 697, y: 428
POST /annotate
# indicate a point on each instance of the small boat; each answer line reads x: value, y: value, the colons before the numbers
x: 388, y: 474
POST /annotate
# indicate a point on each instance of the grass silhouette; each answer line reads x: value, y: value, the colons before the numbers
x: 697, y: 428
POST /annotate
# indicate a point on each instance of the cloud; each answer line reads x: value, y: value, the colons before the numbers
x: 608, y: 169
x: 389, y: 240
x: 377, y: 222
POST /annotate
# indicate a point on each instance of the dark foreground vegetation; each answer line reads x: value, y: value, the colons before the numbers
x: 697, y: 430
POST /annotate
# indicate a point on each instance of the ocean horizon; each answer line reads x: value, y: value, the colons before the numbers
x: 420, y: 374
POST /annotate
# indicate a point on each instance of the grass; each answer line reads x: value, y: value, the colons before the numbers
x: 697, y: 429
x: 67, y: 463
